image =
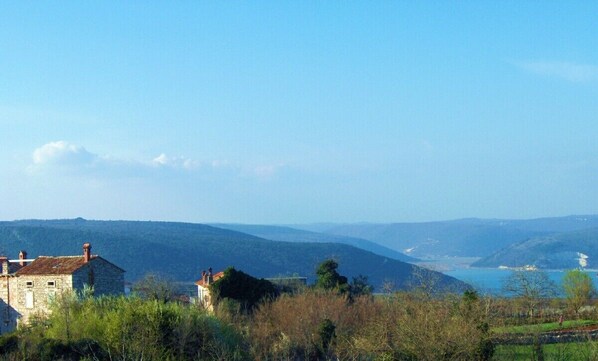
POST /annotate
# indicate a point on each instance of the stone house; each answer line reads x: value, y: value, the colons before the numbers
x: 27, y: 286
x: 203, y: 288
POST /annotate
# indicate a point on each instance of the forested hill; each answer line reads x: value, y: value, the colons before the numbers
x: 182, y: 250
x: 558, y: 251
x: 463, y: 238
x: 470, y: 237
x: 289, y: 234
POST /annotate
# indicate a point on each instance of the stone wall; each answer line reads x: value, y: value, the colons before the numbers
x: 106, y: 278
x: 8, y: 313
x: 35, y: 292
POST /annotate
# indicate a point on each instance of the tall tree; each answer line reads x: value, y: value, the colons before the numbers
x: 579, y: 289
x: 530, y: 288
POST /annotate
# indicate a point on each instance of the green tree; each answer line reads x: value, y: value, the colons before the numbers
x: 243, y: 288
x: 579, y: 289
x: 329, y: 278
x: 65, y: 308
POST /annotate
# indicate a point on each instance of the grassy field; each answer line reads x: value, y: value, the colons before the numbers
x: 584, y: 351
x: 544, y: 327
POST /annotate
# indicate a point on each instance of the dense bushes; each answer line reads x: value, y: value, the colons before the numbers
x: 318, y: 323
x: 288, y: 328
x: 326, y: 322
x: 311, y: 325
x: 402, y: 326
x: 122, y: 328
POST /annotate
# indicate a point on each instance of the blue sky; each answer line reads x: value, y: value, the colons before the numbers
x: 293, y: 112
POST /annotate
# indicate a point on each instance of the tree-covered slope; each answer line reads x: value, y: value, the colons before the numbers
x: 561, y: 250
x: 182, y: 250
x: 472, y: 237
x: 289, y: 234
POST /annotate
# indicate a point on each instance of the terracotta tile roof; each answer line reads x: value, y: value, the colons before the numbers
x: 215, y: 278
x: 44, y: 265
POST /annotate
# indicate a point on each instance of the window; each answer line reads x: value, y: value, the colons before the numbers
x: 29, y: 299
x: 51, y: 284
x: 29, y: 284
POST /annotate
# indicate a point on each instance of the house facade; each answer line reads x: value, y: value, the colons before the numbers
x: 203, y: 288
x: 28, y: 286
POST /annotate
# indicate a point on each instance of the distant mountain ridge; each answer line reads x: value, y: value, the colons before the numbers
x: 288, y: 234
x: 182, y: 250
x: 471, y: 237
x: 565, y: 250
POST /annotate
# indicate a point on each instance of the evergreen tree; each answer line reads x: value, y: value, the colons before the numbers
x: 329, y: 278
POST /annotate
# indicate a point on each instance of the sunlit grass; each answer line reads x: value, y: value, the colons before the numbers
x: 574, y: 351
x: 544, y: 327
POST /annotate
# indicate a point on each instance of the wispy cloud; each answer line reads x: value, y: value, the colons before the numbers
x: 573, y: 72
x: 69, y: 158
x: 66, y: 156
x: 175, y: 162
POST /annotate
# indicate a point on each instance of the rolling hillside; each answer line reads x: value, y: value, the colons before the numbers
x: 556, y: 251
x: 288, y: 234
x: 182, y: 250
x: 463, y: 238
x: 471, y: 237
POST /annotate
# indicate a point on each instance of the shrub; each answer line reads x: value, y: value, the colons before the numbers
x: 129, y: 329
x: 9, y: 343
x: 243, y: 288
x: 295, y: 326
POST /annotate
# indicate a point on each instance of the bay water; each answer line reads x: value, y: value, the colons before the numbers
x: 491, y: 280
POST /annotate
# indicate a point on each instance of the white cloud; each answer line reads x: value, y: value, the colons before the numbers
x: 162, y: 159
x: 62, y: 156
x: 565, y: 70
x: 175, y: 162
x: 62, y: 153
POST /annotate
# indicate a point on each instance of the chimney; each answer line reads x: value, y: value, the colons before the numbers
x: 4, y: 261
x: 22, y: 258
x: 86, y: 252
x: 203, y: 276
x: 210, y: 279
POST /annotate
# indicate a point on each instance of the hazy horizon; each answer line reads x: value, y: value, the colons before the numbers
x: 298, y: 112
x: 216, y: 223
